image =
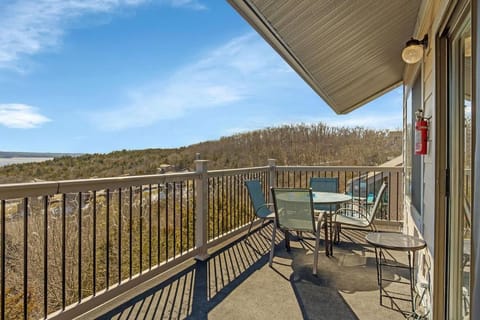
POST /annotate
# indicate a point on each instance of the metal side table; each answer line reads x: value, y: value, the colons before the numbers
x: 397, y: 242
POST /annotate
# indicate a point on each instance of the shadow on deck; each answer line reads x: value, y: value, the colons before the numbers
x: 237, y: 283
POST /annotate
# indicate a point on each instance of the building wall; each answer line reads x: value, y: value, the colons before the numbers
x: 430, y: 20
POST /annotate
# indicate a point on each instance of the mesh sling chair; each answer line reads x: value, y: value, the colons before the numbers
x: 260, y: 207
x: 323, y: 185
x: 294, y: 212
x: 358, y: 216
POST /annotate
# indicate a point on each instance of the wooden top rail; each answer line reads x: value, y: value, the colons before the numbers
x: 21, y: 190
x: 339, y: 168
x: 225, y: 172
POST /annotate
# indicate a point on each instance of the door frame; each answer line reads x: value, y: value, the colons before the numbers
x: 446, y: 187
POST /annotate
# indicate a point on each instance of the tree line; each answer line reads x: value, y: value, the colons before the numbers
x: 301, y: 144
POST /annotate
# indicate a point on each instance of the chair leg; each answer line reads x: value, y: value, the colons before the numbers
x: 250, y: 228
x: 338, y: 229
x: 263, y: 222
x: 315, y: 253
x: 272, y: 249
x: 287, y: 240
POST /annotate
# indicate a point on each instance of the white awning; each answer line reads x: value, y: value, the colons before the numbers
x: 348, y: 51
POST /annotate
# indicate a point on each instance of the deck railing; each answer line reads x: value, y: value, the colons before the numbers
x: 68, y: 246
x: 362, y: 183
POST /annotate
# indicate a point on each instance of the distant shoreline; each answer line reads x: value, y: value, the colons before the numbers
x: 19, y: 160
x: 14, y: 154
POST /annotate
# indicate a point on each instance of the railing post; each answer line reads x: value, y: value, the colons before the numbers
x: 272, y: 168
x: 201, y: 210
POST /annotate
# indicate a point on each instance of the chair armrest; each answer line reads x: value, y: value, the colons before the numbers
x: 320, y: 218
x: 266, y: 205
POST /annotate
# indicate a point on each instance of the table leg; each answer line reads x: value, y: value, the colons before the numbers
x: 330, y: 238
x: 376, y: 262
x: 380, y: 275
x: 411, y: 266
x: 327, y: 253
x: 287, y: 240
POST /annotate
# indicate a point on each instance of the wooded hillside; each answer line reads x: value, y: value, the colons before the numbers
x: 291, y: 145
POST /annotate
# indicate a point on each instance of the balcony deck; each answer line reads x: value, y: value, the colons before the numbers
x: 237, y: 283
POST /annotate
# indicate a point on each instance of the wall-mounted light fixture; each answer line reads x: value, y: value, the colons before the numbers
x: 413, y: 51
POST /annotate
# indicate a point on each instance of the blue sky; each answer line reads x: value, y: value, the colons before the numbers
x: 104, y: 75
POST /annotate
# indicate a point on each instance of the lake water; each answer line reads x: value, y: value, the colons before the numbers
x: 7, y: 161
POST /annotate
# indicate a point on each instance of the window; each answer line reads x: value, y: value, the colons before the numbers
x: 413, y: 163
x: 416, y: 187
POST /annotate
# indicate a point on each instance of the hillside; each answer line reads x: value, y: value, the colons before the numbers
x: 291, y: 145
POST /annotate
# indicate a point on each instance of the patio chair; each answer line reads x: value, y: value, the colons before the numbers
x: 294, y: 212
x: 323, y: 185
x: 358, y: 216
x: 260, y: 207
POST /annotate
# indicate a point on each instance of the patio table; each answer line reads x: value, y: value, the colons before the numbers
x: 330, y: 198
x: 398, y: 242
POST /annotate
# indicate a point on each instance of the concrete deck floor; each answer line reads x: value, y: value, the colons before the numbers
x: 237, y: 283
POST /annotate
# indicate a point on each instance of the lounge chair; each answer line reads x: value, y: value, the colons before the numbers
x: 323, y: 185
x: 358, y: 216
x: 260, y: 206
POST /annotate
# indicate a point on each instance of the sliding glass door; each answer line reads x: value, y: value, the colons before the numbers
x: 460, y: 161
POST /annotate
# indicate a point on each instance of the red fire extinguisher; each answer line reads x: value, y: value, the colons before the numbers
x: 421, y: 133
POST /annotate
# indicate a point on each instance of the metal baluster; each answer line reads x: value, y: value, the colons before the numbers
x: 79, y: 247
x: 158, y: 225
x: 181, y: 217
x: 389, y: 190
x: 141, y: 228
x: 25, y: 258
x: 188, y: 214
x: 107, y: 230
x: 2, y: 307
x: 231, y: 199
x: 174, y: 218
x: 94, y: 280
x: 223, y: 205
x: 211, y: 204
x: 130, y: 209
x: 45, y: 257
x: 166, y: 221
x: 64, y: 198
x: 119, y: 235
x: 193, y: 206
x: 398, y: 196
x: 150, y: 227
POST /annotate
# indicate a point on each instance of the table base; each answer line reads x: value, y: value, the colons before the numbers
x: 381, y: 262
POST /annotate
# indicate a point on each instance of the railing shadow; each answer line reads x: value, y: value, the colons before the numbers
x: 195, y: 291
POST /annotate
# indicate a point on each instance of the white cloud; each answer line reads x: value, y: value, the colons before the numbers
x: 20, y: 116
x: 225, y: 75
x: 28, y: 27
x: 189, y: 4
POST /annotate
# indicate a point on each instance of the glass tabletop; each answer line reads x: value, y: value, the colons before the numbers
x: 330, y: 197
x: 395, y: 241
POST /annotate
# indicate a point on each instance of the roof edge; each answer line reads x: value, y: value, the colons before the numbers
x: 372, y: 97
x: 247, y: 10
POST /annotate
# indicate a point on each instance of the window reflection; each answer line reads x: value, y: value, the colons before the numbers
x: 467, y: 165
